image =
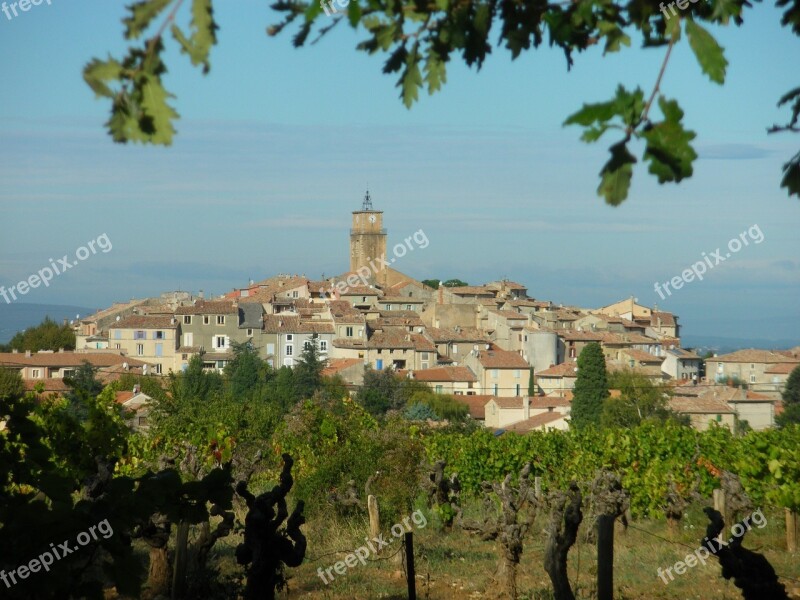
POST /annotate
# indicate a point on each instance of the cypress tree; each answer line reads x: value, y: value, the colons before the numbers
x: 591, y: 387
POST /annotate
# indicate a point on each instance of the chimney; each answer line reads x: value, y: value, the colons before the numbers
x: 27, y: 353
x: 14, y: 351
x: 441, y: 293
x: 61, y: 351
x: 200, y: 294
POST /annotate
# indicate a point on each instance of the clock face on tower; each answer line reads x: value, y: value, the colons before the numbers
x: 372, y: 218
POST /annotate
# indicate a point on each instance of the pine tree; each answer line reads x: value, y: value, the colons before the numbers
x: 591, y: 387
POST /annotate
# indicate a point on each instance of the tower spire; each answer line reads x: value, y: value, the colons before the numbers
x: 367, y: 202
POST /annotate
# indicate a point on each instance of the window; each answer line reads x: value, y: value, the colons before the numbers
x: 495, y: 389
x: 455, y: 348
x: 270, y: 349
x: 516, y: 373
x: 517, y: 393
x: 438, y: 389
x: 388, y: 306
x: 220, y: 319
x: 289, y: 337
x: 35, y: 373
x: 220, y: 342
x: 69, y: 373
x: 140, y: 349
x: 752, y: 366
x: 408, y: 307
x: 117, y: 334
x: 249, y: 332
x: 139, y: 335
x: 187, y: 319
x: 289, y: 350
x: 142, y: 421
x: 494, y: 373
x: 294, y: 294
x: 719, y: 418
x: 158, y: 369
x: 323, y: 345
x: 526, y: 338
x: 158, y: 335
x: 159, y: 349
x: 752, y: 378
x: 348, y: 331
x: 184, y: 357
x: 206, y: 320
x: 424, y: 356
x: 118, y: 347
x: 306, y: 345
x: 363, y: 298
x: 424, y: 365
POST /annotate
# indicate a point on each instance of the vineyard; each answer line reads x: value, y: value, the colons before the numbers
x: 233, y: 496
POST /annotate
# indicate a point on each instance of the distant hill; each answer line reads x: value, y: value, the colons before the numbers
x: 16, y: 317
x: 724, y: 345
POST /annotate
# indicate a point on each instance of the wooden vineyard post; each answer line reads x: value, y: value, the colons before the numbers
x: 605, y: 557
x: 791, y: 530
x: 410, y: 575
x: 374, y: 517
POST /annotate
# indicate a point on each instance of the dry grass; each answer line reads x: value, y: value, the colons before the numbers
x: 457, y: 565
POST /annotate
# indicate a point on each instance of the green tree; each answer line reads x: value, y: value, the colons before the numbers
x: 639, y: 399
x: 308, y: 370
x: 531, y: 384
x: 380, y: 392
x: 246, y: 372
x: 431, y: 283
x: 591, y: 387
x: 421, y: 39
x: 791, y: 400
x: 455, y: 283
x: 48, y: 335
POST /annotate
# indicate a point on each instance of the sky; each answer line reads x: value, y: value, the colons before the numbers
x: 276, y: 146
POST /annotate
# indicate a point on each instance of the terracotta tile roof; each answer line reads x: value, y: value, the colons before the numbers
x: 123, y: 397
x: 565, y: 394
x: 51, y: 384
x: 581, y: 336
x: 344, y: 312
x: 336, y: 365
x: 501, y: 359
x: 351, y: 343
x: 683, y: 354
x: 535, y: 422
x: 470, y: 290
x: 508, y: 401
x: 206, y: 307
x: 706, y: 405
x: 642, y: 356
x: 361, y: 290
x: 402, y: 300
x: 459, y: 334
x: 752, y: 355
x: 667, y: 319
x: 781, y: 368
x: 476, y: 404
x: 565, y: 369
x: 445, y: 374
x: 396, y: 339
x: 292, y: 324
x: 145, y: 322
x: 542, y: 402
x: 510, y: 314
x: 114, y: 308
x: 65, y: 359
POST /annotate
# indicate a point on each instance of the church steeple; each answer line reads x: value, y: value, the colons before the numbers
x: 367, y: 238
x: 367, y: 202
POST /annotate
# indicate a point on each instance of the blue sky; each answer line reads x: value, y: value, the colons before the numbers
x: 276, y: 146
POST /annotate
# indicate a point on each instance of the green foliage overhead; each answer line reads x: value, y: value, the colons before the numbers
x: 419, y: 39
x: 48, y: 335
x: 591, y: 387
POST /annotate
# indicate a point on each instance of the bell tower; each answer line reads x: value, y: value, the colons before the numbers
x: 368, y: 239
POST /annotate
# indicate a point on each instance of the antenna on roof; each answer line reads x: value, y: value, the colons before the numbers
x: 367, y: 202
